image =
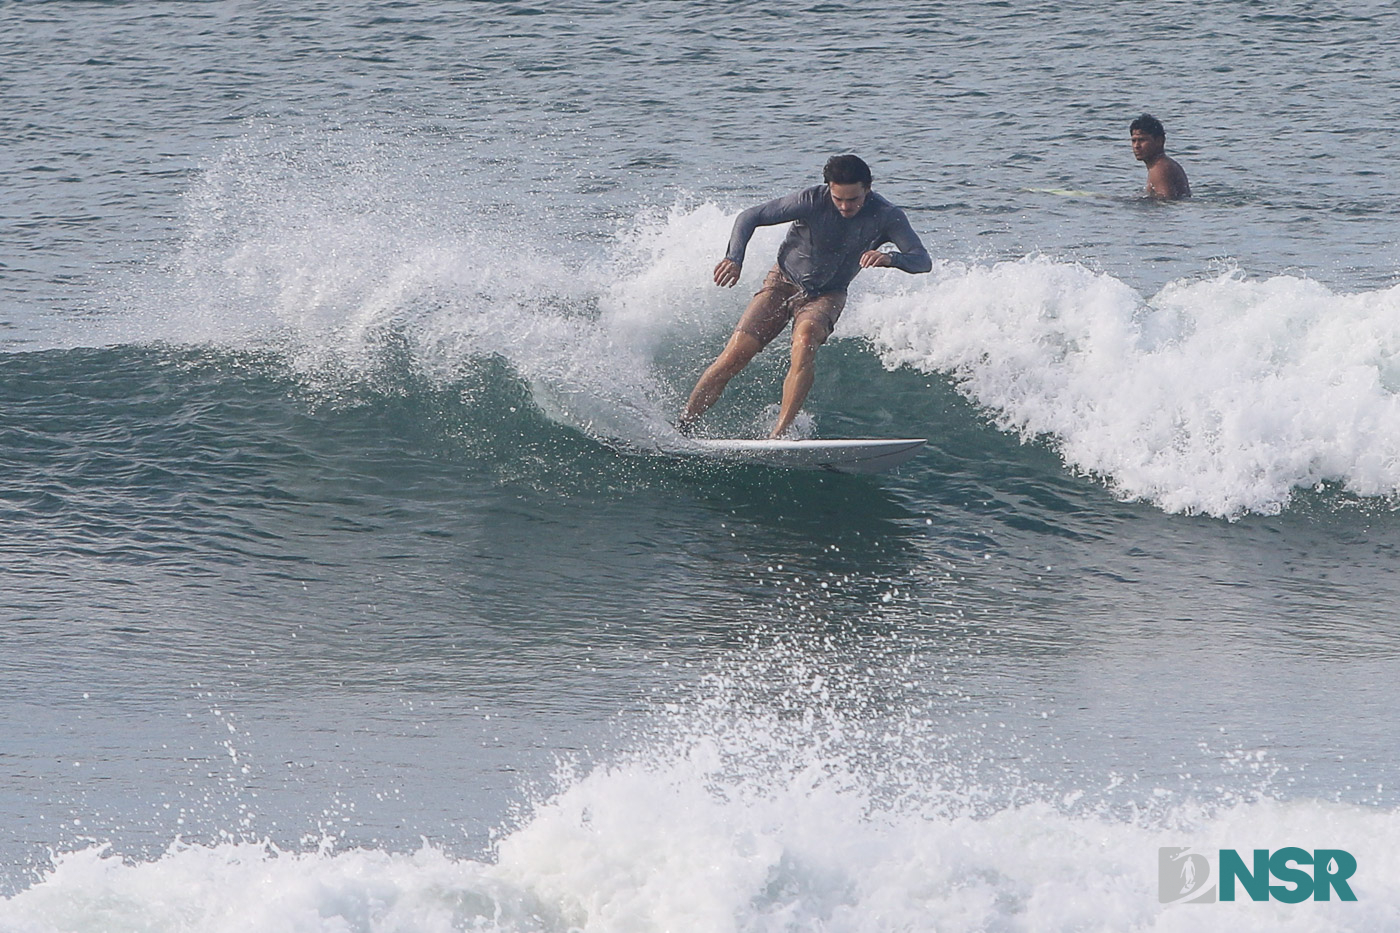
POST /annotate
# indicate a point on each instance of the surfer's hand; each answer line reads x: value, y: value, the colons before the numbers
x: 874, y: 257
x: 726, y: 273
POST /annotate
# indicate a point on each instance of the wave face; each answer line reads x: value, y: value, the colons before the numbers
x: 1220, y: 396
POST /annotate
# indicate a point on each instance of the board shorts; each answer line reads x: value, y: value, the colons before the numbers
x: 780, y: 300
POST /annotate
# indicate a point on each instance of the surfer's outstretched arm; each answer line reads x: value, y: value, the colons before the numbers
x: 782, y: 210
x: 912, y: 256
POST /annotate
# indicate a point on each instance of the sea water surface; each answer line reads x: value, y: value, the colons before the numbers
x: 342, y: 588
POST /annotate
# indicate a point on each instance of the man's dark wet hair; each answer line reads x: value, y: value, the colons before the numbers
x: 1149, y: 125
x: 846, y: 170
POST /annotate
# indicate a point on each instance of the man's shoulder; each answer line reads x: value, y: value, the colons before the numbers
x: 1166, y: 164
x: 883, y: 207
x: 1170, y: 176
x: 803, y: 199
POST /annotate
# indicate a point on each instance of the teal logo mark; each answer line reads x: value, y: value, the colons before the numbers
x: 1186, y: 877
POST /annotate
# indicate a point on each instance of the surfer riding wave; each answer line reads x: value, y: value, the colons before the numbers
x: 837, y: 229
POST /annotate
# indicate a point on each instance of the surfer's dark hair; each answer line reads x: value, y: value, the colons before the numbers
x: 846, y: 170
x: 1149, y: 125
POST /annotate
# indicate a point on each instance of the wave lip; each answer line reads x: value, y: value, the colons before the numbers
x: 1219, y: 396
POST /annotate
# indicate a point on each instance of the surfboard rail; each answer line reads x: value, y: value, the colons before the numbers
x: 841, y: 455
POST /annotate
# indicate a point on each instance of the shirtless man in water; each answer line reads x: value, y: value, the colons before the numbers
x: 1166, y: 180
x: 836, y: 229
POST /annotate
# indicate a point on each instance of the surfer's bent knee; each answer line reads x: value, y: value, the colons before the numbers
x: 742, y: 348
x: 810, y: 329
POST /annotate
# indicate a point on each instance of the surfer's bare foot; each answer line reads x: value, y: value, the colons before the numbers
x: 685, y: 426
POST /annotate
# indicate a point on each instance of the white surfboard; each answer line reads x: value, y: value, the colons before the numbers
x: 851, y: 455
x: 1067, y: 192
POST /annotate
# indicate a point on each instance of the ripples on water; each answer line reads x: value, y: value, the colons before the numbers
x: 363, y: 560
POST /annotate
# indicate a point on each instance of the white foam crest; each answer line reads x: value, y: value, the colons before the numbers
x: 345, y: 260
x: 1219, y: 396
x: 681, y: 846
x: 792, y: 796
x: 347, y: 254
x: 339, y: 262
x: 241, y: 887
x: 757, y: 807
x: 664, y: 289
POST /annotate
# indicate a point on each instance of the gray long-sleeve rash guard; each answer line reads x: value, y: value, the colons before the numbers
x: 822, y: 250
